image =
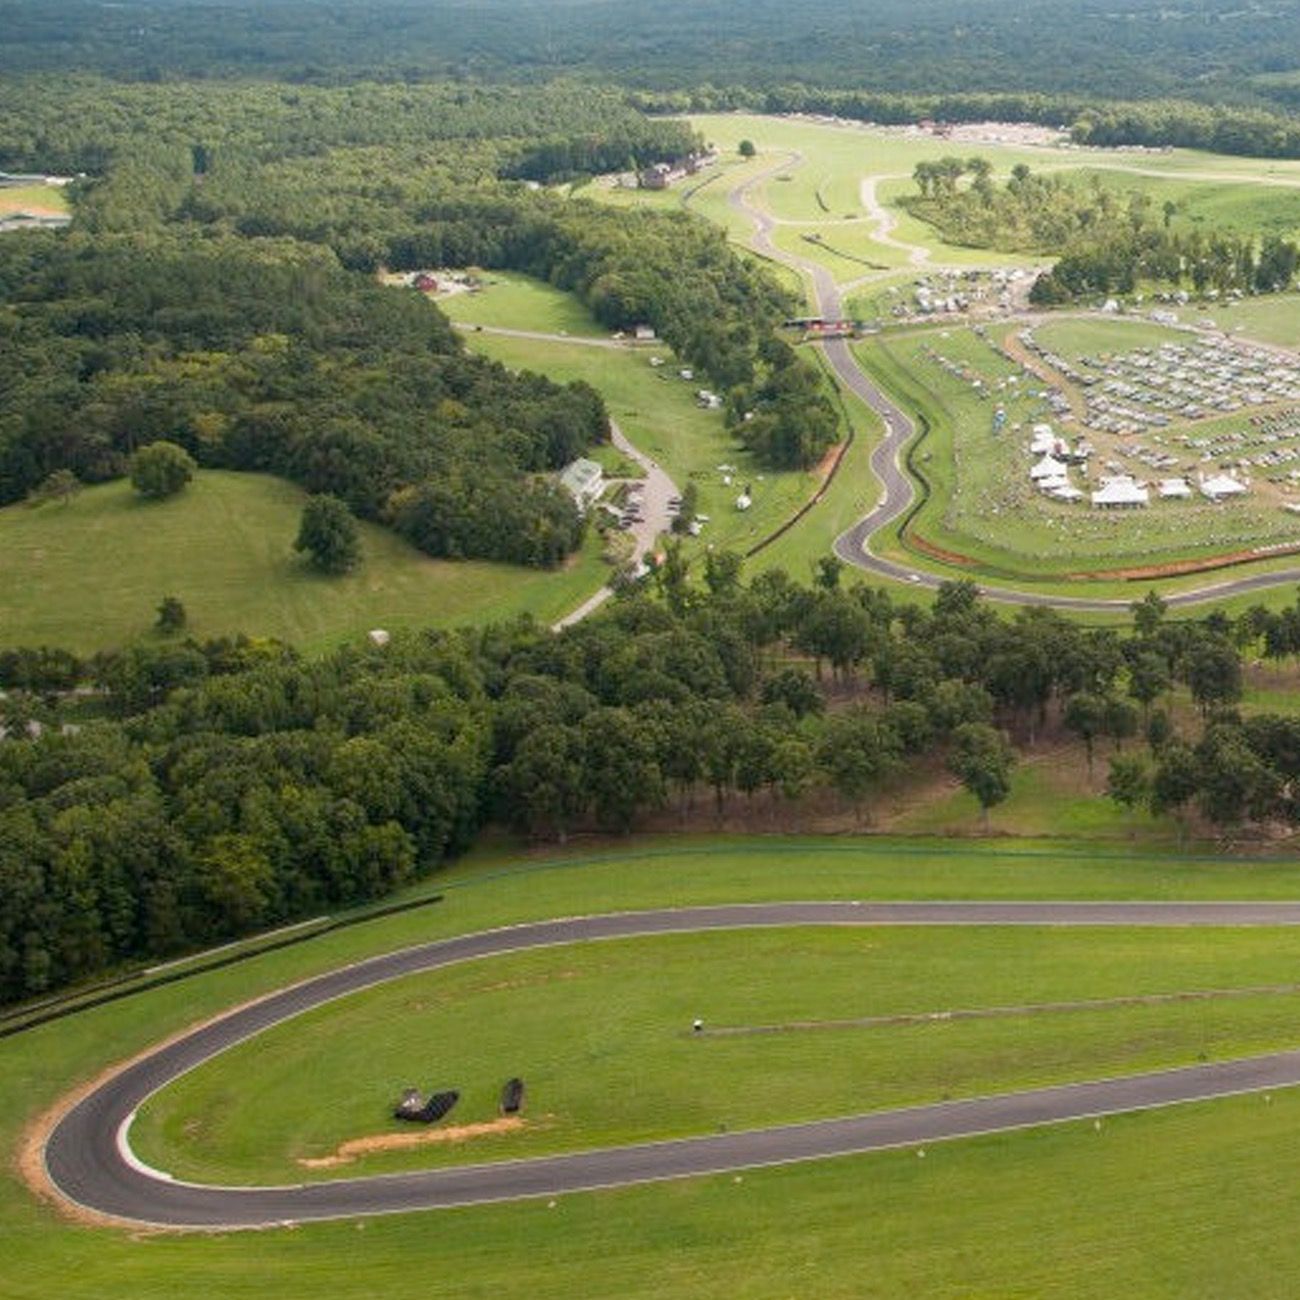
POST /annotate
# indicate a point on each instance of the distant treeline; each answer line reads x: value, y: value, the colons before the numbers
x: 1210, y: 50
x: 1255, y: 132
x: 234, y: 785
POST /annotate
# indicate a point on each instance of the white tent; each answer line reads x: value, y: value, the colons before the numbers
x: 1043, y: 443
x: 1174, y: 487
x: 1121, y: 491
x: 1067, y: 493
x: 1220, y: 486
x: 1052, y: 484
x: 1048, y: 467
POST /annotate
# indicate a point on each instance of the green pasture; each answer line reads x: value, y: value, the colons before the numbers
x: 601, y: 1035
x: 90, y: 574
x: 1271, y: 318
x: 847, y: 250
x: 32, y: 198
x: 521, y: 303
x: 1193, y: 1201
x: 1075, y: 337
x: 658, y: 412
x: 1267, y: 208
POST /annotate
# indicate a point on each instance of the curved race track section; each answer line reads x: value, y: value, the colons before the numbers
x: 89, y: 1162
x: 898, y: 492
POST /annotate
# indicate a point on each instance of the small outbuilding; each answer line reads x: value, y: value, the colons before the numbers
x: 584, y: 480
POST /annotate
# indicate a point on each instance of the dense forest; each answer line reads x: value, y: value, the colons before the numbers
x: 234, y: 785
x: 1214, y: 75
x: 1216, y: 50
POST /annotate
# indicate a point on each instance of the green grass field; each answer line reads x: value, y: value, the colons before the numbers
x: 1075, y: 338
x: 1274, y: 318
x: 577, y: 1023
x: 518, y: 302
x: 1195, y: 1201
x: 32, y: 198
x: 90, y: 574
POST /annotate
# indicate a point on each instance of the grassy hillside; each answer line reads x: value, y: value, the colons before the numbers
x: 90, y: 574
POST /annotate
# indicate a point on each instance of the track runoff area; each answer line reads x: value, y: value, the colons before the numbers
x: 89, y: 1164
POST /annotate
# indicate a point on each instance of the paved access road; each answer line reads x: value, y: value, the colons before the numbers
x: 88, y: 1160
x: 897, y: 491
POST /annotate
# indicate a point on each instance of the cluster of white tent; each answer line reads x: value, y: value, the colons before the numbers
x: 1050, y: 474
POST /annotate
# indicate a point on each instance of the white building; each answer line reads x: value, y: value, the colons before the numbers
x: 584, y: 480
x: 1043, y: 443
x: 1119, y: 493
x: 1221, y: 486
x: 1049, y: 467
x: 1175, y: 489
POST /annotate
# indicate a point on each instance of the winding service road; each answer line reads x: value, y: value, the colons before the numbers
x: 88, y: 1160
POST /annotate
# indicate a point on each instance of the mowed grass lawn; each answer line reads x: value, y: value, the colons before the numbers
x: 90, y: 575
x: 521, y: 303
x: 601, y: 1034
x: 1194, y: 1201
x: 32, y: 198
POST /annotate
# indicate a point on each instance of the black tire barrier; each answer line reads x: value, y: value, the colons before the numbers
x: 512, y: 1097
x: 438, y: 1106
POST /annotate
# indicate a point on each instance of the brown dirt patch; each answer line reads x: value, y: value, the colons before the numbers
x: 348, y: 1151
x: 938, y: 552
x: 826, y: 466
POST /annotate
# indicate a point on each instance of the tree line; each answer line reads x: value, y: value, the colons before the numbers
x: 1209, y: 50
x: 202, y: 790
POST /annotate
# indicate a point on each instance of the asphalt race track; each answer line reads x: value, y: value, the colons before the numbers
x: 90, y: 1164
x: 897, y: 489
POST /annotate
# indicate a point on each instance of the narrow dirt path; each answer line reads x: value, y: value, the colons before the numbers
x: 917, y: 254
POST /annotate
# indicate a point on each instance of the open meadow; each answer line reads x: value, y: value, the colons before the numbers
x: 89, y: 575
x: 34, y: 200
x: 1012, y: 1214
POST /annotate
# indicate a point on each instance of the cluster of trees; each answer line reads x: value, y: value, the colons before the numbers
x: 260, y: 354
x: 1110, y: 240
x: 547, y: 132
x: 1219, y: 261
